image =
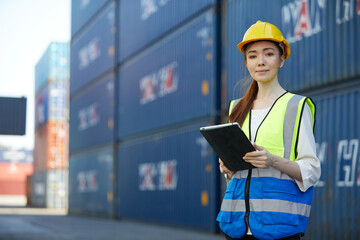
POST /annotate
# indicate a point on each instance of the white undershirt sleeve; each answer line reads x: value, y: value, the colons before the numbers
x: 306, y: 159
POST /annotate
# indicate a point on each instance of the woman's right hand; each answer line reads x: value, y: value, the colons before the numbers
x: 224, y: 169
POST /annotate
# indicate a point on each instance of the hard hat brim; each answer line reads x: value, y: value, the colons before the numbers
x: 241, y: 45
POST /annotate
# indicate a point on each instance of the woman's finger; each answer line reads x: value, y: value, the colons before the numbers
x: 258, y: 147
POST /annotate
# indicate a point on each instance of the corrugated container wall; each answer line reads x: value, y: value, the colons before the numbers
x: 323, y: 37
x: 335, y: 213
x: 13, y: 116
x: 141, y: 23
x: 173, y: 179
x: 91, y: 177
x: 173, y: 81
x: 92, y: 116
x: 53, y: 65
x: 93, y: 52
x: 51, y: 103
x: 82, y: 12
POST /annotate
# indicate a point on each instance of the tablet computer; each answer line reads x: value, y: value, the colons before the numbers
x: 230, y: 143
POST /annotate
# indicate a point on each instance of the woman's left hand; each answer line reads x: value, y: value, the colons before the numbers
x: 260, y: 158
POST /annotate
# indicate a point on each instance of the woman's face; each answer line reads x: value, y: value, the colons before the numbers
x: 263, y: 61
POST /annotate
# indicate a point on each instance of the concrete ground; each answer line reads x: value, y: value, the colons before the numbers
x: 48, y: 224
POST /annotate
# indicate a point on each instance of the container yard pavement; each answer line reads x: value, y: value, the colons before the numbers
x: 50, y: 224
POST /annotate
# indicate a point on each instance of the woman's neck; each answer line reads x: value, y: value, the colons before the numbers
x: 267, y: 94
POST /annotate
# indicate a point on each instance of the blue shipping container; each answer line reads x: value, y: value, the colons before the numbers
x: 335, y: 213
x: 169, y: 177
x: 57, y: 188
x: 51, y: 103
x: 323, y: 37
x: 92, y: 116
x: 53, y: 65
x: 91, y: 183
x: 16, y: 156
x: 83, y: 11
x: 173, y: 81
x: 143, y: 22
x: 93, y: 52
x: 39, y: 188
x: 13, y: 116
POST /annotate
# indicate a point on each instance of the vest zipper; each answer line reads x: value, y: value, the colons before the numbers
x: 247, y: 188
x: 247, y: 183
x: 247, y: 199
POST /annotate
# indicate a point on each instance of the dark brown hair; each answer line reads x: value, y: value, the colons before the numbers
x: 240, y: 111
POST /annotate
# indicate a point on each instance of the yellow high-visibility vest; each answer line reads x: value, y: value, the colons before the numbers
x: 280, y: 139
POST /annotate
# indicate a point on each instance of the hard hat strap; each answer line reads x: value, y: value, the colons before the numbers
x: 281, y: 45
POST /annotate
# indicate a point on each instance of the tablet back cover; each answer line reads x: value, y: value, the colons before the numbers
x: 230, y: 144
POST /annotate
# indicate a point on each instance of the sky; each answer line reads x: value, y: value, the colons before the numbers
x: 27, y: 27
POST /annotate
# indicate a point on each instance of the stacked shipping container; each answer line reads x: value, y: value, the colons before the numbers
x: 15, y: 166
x: 173, y: 81
x: 49, y: 182
x: 167, y: 90
x: 91, y: 178
x: 92, y: 107
x: 135, y: 94
x: 142, y: 23
x: 324, y: 64
x: 93, y: 50
x: 169, y: 177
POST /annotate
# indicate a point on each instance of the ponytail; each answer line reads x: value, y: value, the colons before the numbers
x: 240, y: 111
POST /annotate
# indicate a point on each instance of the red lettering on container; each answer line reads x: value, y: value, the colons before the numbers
x: 303, y: 25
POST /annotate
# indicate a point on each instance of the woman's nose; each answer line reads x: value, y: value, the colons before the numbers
x: 261, y: 60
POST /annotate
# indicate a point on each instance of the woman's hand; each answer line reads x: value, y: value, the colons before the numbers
x: 260, y: 158
x: 224, y: 169
x: 263, y: 159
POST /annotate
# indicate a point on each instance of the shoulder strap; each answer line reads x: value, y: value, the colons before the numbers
x: 292, y: 121
x: 233, y: 104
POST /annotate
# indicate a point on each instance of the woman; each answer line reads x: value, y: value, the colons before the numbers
x: 273, y: 200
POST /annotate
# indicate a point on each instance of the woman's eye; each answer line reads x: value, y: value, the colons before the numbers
x: 270, y: 54
x: 252, y: 56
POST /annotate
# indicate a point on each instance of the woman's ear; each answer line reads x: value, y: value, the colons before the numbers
x: 282, y: 61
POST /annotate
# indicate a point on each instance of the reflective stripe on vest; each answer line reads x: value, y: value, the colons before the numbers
x: 267, y: 205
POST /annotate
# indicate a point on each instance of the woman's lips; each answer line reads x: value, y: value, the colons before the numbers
x: 261, y: 71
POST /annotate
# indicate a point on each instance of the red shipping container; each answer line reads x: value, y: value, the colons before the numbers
x: 12, y: 187
x: 51, y: 146
x: 13, y: 177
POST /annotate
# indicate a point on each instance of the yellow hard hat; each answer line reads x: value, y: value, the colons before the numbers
x: 264, y: 31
